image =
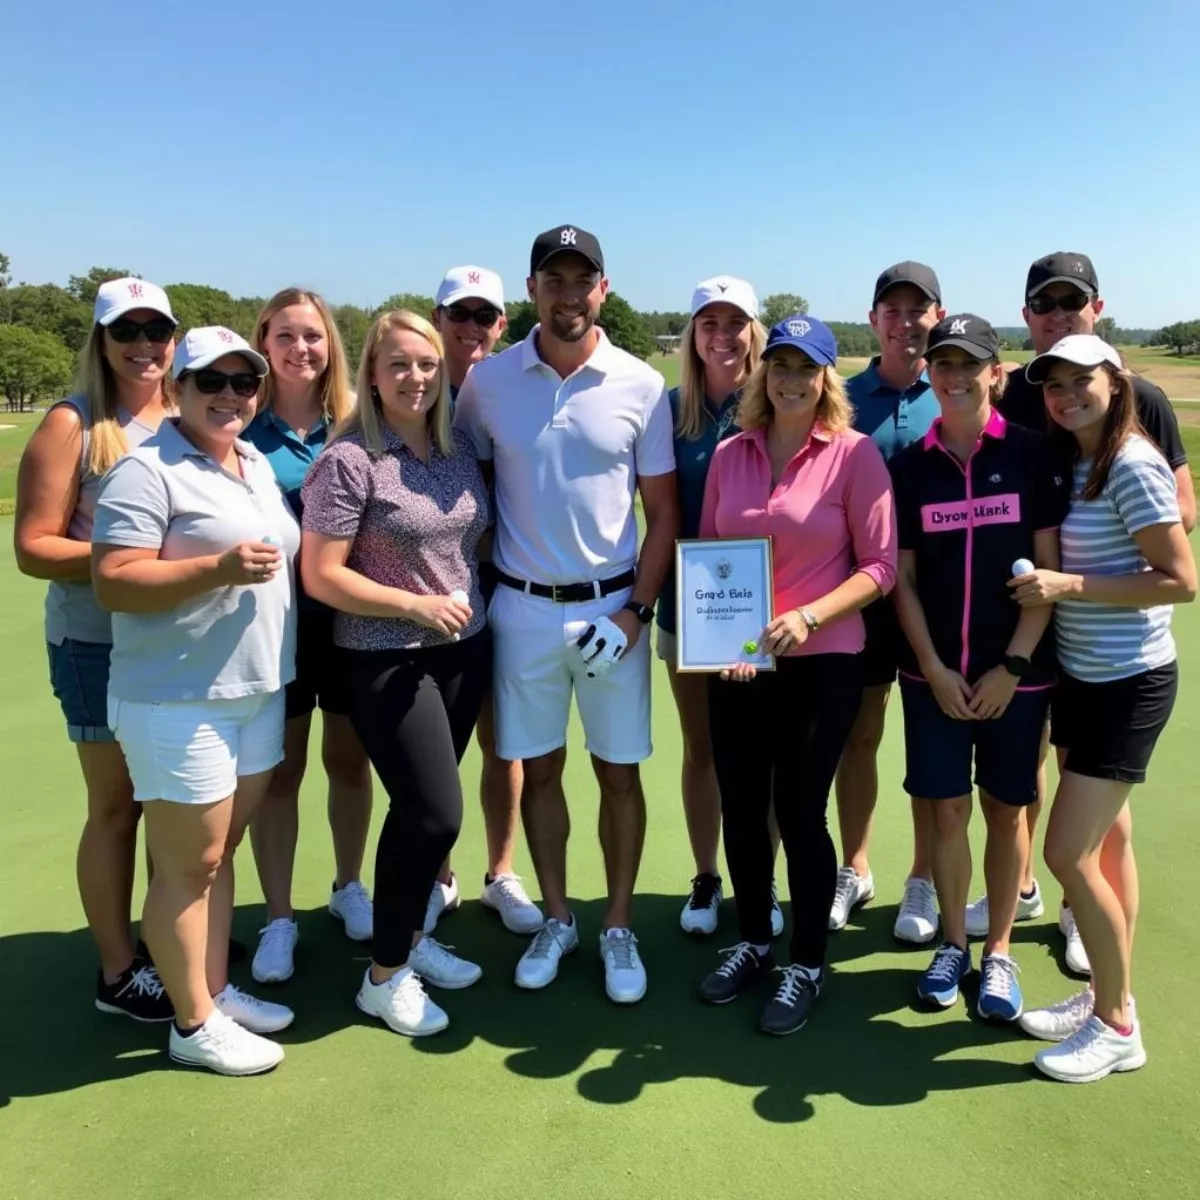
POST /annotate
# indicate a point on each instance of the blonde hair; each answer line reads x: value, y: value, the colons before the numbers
x: 690, y: 423
x: 835, y: 413
x: 336, y: 400
x: 94, y: 380
x: 366, y: 417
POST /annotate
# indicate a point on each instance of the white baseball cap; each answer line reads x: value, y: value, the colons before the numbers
x: 471, y: 282
x: 726, y: 289
x: 119, y: 296
x: 200, y: 348
x: 1082, y: 349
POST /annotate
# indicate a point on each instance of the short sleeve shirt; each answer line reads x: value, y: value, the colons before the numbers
x: 967, y: 524
x: 567, y: 455
x: 1102, y: 642
x: 414, y: 525
x: 892, y: 418
x: 231, y: 641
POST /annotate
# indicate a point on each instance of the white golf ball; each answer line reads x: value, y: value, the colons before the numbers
x: 1022, y: 567
x: 460, y: 597
x: 270, y: 539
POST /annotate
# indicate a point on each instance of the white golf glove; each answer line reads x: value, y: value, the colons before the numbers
x: 601, y: 646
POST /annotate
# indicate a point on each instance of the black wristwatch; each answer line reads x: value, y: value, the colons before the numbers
x: 643, y: 612
x: 1016, y: 665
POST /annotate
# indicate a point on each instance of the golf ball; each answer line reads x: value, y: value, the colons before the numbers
x: 750, y: 647
x: 270, y: 539
x: 459, y: 596
x: 1022, y: 567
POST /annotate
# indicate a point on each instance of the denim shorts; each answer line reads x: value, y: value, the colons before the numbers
x: 79, y: 677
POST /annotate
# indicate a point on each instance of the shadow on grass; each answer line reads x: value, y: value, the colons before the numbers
x: 851, y: 1047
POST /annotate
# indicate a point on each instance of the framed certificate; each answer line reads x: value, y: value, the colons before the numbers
x: 724, y: 598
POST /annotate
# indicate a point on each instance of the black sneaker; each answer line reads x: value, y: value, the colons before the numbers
x: 742, y: 965
x: 138, y: 993
x: 788, y: 1010
x: 700, y: 912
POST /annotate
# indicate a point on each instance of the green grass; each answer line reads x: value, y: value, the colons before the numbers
x: 12, y: 442
x: 559, y: 1093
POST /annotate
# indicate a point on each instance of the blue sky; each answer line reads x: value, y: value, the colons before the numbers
x: 363, y: 148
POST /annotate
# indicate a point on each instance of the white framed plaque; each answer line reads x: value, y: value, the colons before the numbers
x: 724, y: 598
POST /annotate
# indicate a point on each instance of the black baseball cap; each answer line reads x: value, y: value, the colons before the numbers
x: 1063, y: 266
x: 968, y: 332
x: 915, y: 273
x: 565, y: 237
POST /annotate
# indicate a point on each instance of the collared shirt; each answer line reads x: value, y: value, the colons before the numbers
x: 289, y: 454
x: 415, y: 525
x: 1023, y: 403
x: 967, y: 523
x: 1101, y: 642
x: 692, y: 458
x: 568, y: 454
x: 891, y: 417
x: 168, y: 495
x: 829, y: 516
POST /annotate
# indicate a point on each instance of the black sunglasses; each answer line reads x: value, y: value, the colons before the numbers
x: 211, y: 382
x: 158, y: 330
x: 484, y: 317
x: 1072, y: 302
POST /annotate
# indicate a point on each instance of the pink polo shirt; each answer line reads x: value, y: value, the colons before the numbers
x: 830, y: 515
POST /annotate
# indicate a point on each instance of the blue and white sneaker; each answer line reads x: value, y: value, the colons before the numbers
x: 939, y: 984
x: 999, y: 991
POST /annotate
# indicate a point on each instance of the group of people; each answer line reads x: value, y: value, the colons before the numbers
x: 234, y: 536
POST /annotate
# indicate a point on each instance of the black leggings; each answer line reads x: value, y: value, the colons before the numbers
x: 414, y: 711
x: 780, y: 737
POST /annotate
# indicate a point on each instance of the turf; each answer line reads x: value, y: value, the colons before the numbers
x: 560, y: 1093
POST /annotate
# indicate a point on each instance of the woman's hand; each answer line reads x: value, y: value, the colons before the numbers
x: 1042, y: 587
x: 951, y: 691
x: 992, y: 694
x: 784, y: 633
x: 249, y: 562
x: 741, y: 672
x: 447, y: 616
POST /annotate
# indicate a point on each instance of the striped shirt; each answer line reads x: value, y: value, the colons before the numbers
x: 1101, y: 642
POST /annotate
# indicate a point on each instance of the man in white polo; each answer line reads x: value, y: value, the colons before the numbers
x: 573, y: 427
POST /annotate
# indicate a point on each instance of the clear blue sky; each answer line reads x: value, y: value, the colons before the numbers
x: 363, y: 148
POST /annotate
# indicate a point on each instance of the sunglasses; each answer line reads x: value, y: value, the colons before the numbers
x: 484, y: 317
x: 1074, y: 302
x: 210, y: 383
x: 159, y: 330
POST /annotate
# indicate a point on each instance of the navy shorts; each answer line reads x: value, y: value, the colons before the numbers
x: 319, y: 682
x: 1109, y: 730
x: 79, y: 677
x: 939, y: 751
x: 884, y: 638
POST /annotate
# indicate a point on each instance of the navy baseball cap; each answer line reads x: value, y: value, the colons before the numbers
x: 968, y: 332
x: 1063, y: 266
x: 563, y: 238
x: 917, y: 274
x: 806, y: 333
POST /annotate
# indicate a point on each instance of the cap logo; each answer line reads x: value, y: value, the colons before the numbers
x: 472, y: 276
x: 225, y: 335
x: 136, y: 290
x: 722, y: 288
x: 567, y: 237
x: 798, y: 328
x: 959, y: 327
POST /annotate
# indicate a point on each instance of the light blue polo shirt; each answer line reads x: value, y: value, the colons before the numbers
x: 891, y: 418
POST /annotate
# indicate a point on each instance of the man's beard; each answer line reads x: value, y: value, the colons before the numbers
x: 565, y: 329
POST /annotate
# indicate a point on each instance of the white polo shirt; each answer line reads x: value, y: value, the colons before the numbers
x: 567, y: 456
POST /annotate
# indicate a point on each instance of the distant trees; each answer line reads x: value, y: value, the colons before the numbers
x: 779, y: 305
x: 32, y: 365
x: 1106, y: 328
x: 1183, y: 337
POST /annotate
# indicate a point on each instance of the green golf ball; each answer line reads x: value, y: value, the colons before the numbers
x: 750, y: 647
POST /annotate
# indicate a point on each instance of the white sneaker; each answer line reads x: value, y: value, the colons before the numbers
x: 776, y: 913
x: 1029, y: 908
x: 1077, y: 956
x: 917, y: 920
x: 624, y: 974
x: 703, y: 905
x: 443, y: 899
x: 224, y: 1046
x: 1059, y: 1021
x: 507, y: 896
x: 273, y: 960
x: 435, y: 964
x: 258, y: 1016
x: 852, y: 890
x: 538, y: 966
x: 1092, y: 1052
x: 401, y: 1004
x: 352, y: 906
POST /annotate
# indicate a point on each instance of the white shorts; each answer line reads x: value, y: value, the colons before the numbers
x: 194, y: 752
x: 537, y: 666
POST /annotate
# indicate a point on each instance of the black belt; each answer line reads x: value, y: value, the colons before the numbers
x: 569, y: 593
